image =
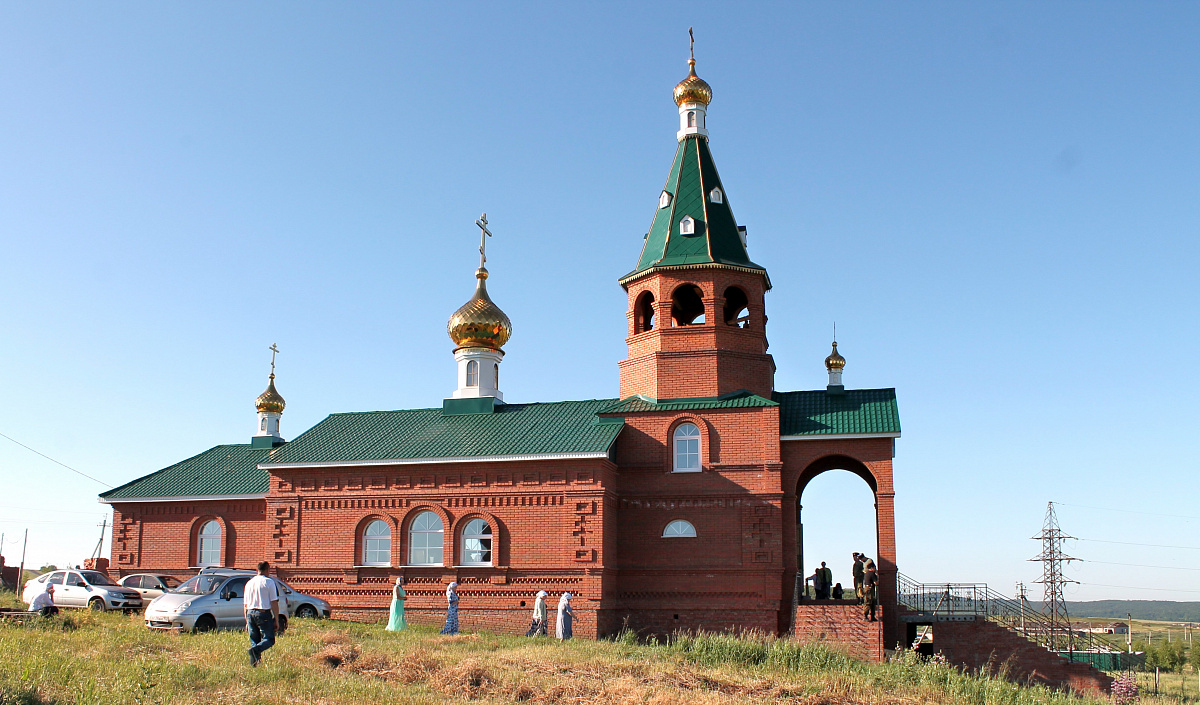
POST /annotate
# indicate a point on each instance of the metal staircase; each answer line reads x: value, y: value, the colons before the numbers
x: 941, y: 602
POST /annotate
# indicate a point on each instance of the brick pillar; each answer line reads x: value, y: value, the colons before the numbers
x: 885, y: 526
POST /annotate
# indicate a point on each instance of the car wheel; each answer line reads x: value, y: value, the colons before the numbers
x: 206, y: 623
x: 306, y: 612
x: 96, y: 604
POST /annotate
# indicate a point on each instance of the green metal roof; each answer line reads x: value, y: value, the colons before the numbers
x: 223, y: 470
x: 819, y: 413
x: 742, y: 400
x: 512, y: 429
x: 692, y: 178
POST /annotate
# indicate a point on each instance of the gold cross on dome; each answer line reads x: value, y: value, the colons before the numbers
x: 274, y: 351
x: 484, y: 234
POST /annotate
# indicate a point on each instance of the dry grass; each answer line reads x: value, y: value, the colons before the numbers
x: 90, y: 658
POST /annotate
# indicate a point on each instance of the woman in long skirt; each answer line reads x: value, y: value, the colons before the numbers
x: 396, y: 623
x: 562, y: 630
x: 451, y: 610
x: 538, y: 628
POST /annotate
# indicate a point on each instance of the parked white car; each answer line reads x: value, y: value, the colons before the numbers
x: 149, y: 585
x: 213, y: 600
x: 83, y: 588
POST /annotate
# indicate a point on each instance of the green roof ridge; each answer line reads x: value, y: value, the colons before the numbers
x: 716, y: 241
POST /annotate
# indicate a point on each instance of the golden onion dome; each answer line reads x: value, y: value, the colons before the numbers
x: 693, y: 89
x: 834, y: 361
x: 270, y: 400
x: 479, y: 323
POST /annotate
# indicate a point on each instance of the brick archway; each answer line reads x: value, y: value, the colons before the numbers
x: 877, y: 474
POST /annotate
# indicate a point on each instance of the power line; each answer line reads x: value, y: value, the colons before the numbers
x: 1138, y: 565
x: 1139, y: 587
x: 1128, y: 511
x: 1151, y: 545
x: 77, y: 472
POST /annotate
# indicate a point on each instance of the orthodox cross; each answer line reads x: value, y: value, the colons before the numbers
x: 484, y: 234
x: 692, y: 44
x: 274, y: 351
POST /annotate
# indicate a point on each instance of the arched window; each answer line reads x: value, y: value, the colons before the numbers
x: 263, y: 425
x: 377, y: 544
x: 208, y: 550
x: 737, y: 312
x: 687, y: 225
x: 664, y: 199
x: 425, y: 540
x: 496, y: 375
x: 687, y: 305
x: 643, y: 313
x: 679, y: 529
x: 715, y: 196
x: 472, y: 374
x: 477, y: 543
x: 691, y: 118
x: 687, y: 448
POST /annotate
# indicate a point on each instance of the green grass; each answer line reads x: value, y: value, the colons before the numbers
x: 83, y: 657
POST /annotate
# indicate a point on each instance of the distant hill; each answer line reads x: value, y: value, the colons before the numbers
x: 1154, y: 610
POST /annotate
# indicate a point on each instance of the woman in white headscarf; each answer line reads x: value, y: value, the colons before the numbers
x: 451, y: 609
x: 396, y: 623
x: 43, y: 602
x: 538, y: 628
x: 562, y: 629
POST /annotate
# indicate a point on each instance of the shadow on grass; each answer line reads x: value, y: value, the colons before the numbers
x: 9, y: 696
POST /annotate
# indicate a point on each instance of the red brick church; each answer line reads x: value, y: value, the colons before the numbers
x: 673, y: 506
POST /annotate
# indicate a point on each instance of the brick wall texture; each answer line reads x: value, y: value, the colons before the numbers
x: 985, y: 646
x: 591, y: 527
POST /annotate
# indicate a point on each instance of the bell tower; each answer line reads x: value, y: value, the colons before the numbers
x: 697, y: 318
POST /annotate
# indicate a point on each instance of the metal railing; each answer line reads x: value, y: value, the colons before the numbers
x: 947, y: 601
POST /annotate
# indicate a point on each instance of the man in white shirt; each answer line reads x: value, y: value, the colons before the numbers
x: 44, y: 602
x: 261, y: 608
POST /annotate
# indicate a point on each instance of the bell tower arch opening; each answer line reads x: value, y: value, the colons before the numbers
x: 687, y: 306
x: 643, y: 313
x: 737, y: 307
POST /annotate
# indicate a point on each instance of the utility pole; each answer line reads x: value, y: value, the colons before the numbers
x: 1129, y: 634
x: 21, y: 570
x: 1054, y: 605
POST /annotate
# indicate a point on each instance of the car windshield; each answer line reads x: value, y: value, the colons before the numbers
x: 96, y: 578
x: 169, y: 582
x: 201, y: 585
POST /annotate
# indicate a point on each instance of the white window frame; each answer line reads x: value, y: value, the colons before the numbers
x: 484, y: 539
x: 664, y: 199
x: 687, y: 225
x: 204, y: 544
x: 472, y: 373
x: 413, y: 531
x: 716, y: 195
x: 681, y: 437
x: 684, y: 529
x: 371, y: 544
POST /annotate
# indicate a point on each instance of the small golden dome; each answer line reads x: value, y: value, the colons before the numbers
x: 270, y: 400
x: 479, y: 323
x: 693, y: 89
x: 834, y: 361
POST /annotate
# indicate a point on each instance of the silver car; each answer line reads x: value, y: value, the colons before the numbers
x: 84, y: 588
x: 213, y: 600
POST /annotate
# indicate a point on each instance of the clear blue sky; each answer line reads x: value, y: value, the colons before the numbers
x: 998, y: 204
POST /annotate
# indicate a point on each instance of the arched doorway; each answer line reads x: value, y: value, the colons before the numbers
x: 836, y: 515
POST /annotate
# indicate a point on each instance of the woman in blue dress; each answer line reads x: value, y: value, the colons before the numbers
x: 451, y: 610
x: 396, y: 623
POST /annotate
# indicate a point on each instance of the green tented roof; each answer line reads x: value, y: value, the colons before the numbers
x: 819, y: 413
x: 743, y: 400
x: 512, y: 429
x: 223, y: 470
x: 692, y: 178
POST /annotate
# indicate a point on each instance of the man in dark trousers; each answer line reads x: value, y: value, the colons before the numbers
x: 870, y: 586
x: 822, y: 580
x: 858, y: 577
x: 260, y: 606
